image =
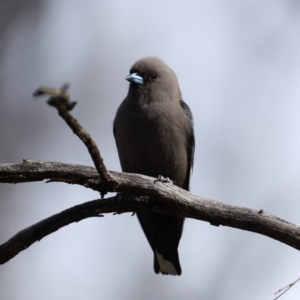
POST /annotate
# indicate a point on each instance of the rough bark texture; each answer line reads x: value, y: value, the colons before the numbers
x: 168, y: 199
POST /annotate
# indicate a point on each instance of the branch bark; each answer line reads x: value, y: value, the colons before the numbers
x: 161, y: 197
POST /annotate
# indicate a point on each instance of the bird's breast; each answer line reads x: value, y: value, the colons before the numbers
x: 152, y: 142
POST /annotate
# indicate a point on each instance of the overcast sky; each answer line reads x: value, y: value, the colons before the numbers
x: 238, y: 65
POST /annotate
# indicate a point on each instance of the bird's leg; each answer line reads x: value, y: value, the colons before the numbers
x: 163, y: 179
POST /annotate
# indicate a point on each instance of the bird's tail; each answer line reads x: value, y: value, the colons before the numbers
x: 167, y: 266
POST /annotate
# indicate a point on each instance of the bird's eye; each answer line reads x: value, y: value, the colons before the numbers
x: 152, y: 75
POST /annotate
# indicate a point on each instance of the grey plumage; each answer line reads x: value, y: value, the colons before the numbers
x: 154, y: 133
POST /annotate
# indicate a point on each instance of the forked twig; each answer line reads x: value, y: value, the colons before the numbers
x: 59, y: 99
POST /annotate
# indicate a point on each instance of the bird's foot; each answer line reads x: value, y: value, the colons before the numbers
x: 163, y: 179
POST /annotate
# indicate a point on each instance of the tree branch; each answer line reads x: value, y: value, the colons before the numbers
x: 169, y: 199
x: 36, y: 232
x: 285, y: 289
x: 61, y: 101
x: 149, y: 196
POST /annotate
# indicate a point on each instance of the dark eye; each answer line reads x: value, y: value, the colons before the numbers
x: 152, y: 75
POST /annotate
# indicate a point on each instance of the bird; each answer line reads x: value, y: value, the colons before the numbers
x: 154, y: 134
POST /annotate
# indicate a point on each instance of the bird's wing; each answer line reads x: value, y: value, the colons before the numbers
x: 191, y: 145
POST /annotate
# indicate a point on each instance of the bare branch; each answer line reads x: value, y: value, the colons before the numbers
x: 30, y: 171
x: 36, y: 232
x: 286, y: 288
x: 168, y: 199
x: 61, y: 101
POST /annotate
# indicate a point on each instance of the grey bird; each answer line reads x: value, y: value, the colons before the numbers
x: 154, y: 133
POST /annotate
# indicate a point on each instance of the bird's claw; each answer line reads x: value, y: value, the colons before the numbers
x: 163, y: 179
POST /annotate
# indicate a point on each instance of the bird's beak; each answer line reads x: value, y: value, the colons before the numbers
x: 135, y: 78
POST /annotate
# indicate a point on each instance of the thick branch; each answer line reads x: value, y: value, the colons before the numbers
x: 168, y: 199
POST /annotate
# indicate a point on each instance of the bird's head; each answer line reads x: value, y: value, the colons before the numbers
x: 151, y: 77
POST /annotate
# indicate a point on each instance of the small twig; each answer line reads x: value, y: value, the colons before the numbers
x: 61, y: 101
x: 286, y: 288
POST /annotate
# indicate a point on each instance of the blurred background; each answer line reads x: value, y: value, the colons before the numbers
x: 238, y: 64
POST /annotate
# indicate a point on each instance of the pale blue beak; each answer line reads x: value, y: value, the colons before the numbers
x: 135, y: 78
